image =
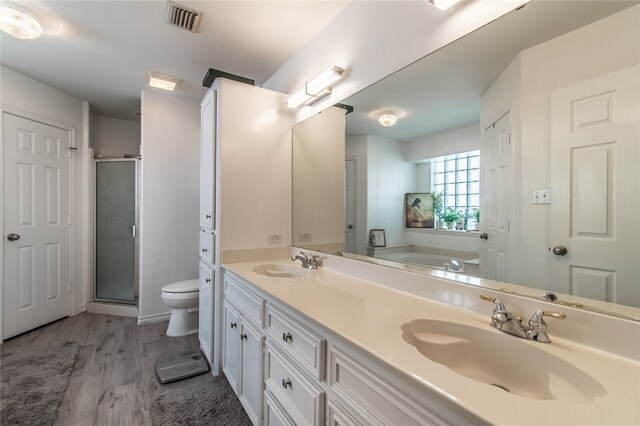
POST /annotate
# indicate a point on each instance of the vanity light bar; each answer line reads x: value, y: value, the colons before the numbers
x: 316, y: 89
x: 443, y: 4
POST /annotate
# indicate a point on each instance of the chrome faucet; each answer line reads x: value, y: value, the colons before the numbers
x: 309, y: 262
x: 455, y: 265
x: 536, y: 329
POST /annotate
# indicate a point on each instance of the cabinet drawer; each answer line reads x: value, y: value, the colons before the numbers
x: 248, y: 303
x: 274, y: 414
x: 303, y: 346
x: 207, y: 246
x: 372, y: 396
x: 302, y: 399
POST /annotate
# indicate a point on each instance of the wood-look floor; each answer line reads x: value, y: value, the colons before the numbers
x: 113, y: 381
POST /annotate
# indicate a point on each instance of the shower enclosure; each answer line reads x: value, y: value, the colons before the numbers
x: 116, y: 221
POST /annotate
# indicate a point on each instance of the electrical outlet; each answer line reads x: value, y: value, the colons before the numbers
x: 541, y: 196
x: 275, y: 238
x: 304, y: 237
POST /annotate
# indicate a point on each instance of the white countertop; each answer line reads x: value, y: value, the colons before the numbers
x: 371, y: 316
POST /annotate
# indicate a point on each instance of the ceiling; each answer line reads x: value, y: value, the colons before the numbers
x: 100, y: 51
x: 443, y: 90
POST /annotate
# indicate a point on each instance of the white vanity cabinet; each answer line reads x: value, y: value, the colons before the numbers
x: 241, y: 127
x: 243, y: 340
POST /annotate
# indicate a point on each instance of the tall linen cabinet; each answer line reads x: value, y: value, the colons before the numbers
x: 245, y: 189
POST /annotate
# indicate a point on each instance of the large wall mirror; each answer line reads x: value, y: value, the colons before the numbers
x: 524, y: 135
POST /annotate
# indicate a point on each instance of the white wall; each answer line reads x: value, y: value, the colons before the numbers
x: 376, y: 38
x: 31, y: 99
x: 170, y: 197
x: 318, y: 178
x: 453, y: 141
x: 597, y: 49
x: 112, y: 137
x: 389, y: 177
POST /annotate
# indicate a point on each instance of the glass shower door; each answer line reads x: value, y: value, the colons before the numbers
x: 115, y: 231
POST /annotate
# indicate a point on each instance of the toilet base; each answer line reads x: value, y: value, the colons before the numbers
x: 183, y: 322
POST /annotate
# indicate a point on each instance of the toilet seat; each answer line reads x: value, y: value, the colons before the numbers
x: 188, y: 286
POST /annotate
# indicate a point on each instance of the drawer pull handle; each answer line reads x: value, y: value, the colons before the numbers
x: 207, y: 216
x: 207, y: 280
x: 234, y: 325
x: 286, y: 383
x: 204, y: 250
x: 287, y: 337
x: 243, y: 337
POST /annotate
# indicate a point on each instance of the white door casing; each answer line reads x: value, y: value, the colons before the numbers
x: 36, y: 206
x: 595, y: 172
x: 350, y: 227
x: 496, y: 192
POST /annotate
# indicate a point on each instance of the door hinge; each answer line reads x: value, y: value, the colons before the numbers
x: 69, y: 220
x: 71, y: 150
x: 68, y: 287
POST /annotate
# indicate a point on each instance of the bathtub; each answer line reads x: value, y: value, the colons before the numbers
x: 423, y: 259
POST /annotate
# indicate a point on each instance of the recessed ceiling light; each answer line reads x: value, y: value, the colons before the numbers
x: 443, y: 4
x: 19, y: 24
x: 387, y: 119
x: 162, y: 81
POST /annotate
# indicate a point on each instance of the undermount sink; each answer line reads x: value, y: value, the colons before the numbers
x: 281, y: 270
x: 506, y: 362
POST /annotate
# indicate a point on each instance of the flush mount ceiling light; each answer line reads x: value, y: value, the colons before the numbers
x: 162, y: 81
x: 316, y: 89
x: 19, y: 24
x: 387, y: 119
x: 443, y: 4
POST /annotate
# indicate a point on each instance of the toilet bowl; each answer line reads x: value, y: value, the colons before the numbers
x: 182, y: 298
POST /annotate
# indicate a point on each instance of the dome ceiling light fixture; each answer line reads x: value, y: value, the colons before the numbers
x: 387, y: 119
x: 19, y: 24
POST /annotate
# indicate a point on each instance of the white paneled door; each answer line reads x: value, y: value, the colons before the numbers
x: 595, y: 202
x: 495, y: 250
x: 36, y: 224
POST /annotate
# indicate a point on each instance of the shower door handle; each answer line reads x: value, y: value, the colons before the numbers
x: 133, y: 231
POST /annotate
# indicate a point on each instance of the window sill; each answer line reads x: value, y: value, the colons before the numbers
x: 452, y: 232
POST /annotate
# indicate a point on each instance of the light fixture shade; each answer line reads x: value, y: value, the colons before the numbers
x: 387, y: 119
x: 19, y: 24
x: 162, y: 81
x: 298, y: 98
x: 325, y: 80
x: 443, y: 4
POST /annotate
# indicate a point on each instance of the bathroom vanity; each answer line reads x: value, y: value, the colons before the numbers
x: 330, y: 348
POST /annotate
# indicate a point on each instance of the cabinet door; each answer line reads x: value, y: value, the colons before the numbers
x: 252, y: 385
x: 231, y: 349
x: 207, y: 161
x: 205, y: 312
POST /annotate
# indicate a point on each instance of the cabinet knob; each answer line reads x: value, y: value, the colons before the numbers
x: 484, y: 236
x: 207, y: 280
x: 286, y: 383
x: 204, y: 250
x: 233, y: 325
x: 208, y: 216
x: 243, y: 337
x: 287, y: 337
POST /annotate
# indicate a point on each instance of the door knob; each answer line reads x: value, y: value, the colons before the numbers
x: 13, y: 237
x: 559, y: 250
x: 484, y: 236
x: 350, y: 226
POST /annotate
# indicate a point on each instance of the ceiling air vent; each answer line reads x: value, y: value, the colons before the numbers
x: 183, y: 17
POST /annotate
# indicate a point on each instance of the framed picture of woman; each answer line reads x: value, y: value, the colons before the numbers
x: 419, y: 210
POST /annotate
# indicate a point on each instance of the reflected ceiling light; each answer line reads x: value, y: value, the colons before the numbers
x: 162, y: 81
x: 19, y: 24
x: 387, y: 119
x: 443, y: 4
x: 316, y: 89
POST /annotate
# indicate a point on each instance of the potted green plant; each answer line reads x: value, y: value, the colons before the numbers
x: 450, y: 217
x: 475, y: 215
x: 437, y: 206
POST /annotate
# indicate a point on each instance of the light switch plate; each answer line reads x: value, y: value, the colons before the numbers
x: 275, y: 239
x: 304, y: 237
x: 541, y: 196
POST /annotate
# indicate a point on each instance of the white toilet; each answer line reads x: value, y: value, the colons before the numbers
x: 182, y: 298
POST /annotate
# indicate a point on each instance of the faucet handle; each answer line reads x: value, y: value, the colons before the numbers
x: 488, y: 298
x: 556, y: 315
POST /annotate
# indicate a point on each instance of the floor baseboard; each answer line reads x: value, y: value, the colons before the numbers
x: 154, y: 318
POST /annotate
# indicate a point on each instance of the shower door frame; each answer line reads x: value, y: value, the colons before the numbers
x: 136, y: 280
